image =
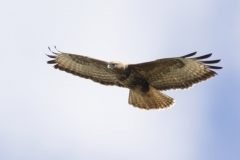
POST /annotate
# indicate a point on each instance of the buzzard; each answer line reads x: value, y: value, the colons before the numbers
x: 145, y: 80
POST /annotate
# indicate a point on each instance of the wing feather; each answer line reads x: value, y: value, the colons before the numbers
x: 176, y: 73
x: 204, y: 56
x: 189, y: 55
x: 211, y: 62
x: 85, y: 67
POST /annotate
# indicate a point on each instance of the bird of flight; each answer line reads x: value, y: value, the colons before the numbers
x: 145, y: 80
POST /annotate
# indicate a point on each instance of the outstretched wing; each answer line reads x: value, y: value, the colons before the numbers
x: 85, y: 67
x: 176, y: 73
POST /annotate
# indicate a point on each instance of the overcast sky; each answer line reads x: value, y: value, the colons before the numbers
x: 49, y: 114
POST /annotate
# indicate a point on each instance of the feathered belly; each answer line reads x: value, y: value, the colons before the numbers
x: 135, y: 81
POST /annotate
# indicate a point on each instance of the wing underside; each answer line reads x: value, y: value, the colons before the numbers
x: 177, y: 73
x: 85, y: 67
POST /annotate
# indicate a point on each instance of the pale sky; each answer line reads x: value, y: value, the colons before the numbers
x: 49, y: 114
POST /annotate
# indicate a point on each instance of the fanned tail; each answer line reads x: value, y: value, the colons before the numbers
x: 153, y: 99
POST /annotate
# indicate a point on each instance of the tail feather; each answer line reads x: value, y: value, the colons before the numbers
x: 153, y: 99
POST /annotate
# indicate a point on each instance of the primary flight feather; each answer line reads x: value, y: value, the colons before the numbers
x: 145, y: 80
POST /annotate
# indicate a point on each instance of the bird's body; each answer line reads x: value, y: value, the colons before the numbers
x: 145, y: 80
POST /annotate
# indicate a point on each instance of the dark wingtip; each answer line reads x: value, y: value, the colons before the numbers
x: 211, y: 62
x: 52, y: 51
x: 189, y: 55
x: 51, y: 62
x: 204, y: 56
x: 56, y: 66
x: 57, y: 49
x: 214, y: 67
x: 51, y: 56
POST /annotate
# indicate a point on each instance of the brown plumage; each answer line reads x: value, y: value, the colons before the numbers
x: 145, y: 80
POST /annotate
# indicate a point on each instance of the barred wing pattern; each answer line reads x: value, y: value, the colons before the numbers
x: 85, y: 67
x: 176, y: 73
x: 145, y: 79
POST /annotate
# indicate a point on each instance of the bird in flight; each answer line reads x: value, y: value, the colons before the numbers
x: 145, y: 80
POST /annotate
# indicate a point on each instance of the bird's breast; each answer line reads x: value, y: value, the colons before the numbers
x: 134, y: 79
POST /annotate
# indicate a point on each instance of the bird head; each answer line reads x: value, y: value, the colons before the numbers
x: 114, y: 65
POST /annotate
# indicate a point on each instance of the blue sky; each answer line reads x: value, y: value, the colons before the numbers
x: 49, y: 114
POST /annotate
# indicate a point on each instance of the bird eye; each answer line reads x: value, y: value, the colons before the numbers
x: 113, y: 64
